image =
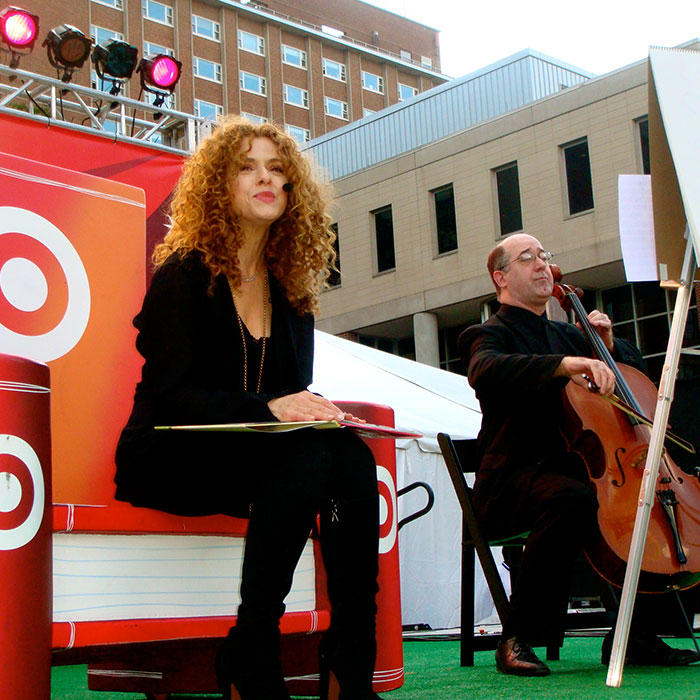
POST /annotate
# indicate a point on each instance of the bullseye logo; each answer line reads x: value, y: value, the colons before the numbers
x: 44, y: 289
x: 387, y: 510
x: 22, y: 492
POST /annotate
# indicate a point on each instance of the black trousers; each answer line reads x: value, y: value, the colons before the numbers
x: 560, y: 513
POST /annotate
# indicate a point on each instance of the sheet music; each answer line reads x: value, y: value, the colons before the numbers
x: 637, y: 228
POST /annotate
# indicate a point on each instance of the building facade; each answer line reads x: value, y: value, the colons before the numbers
x: 312, y: 65
x: 414, y: 230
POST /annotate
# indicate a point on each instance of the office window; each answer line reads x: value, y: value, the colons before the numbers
x: 116, y: 4
x: 334, y: 277
x: 372, y: 82
x: 384, y: 239
x: 405, y: 55
x: 426, y: 62
x: 207, y: 69
x: 168, y: 103
x: 251, y: 42
x: 298, y: 133
x: 254, y: 118
x: 151, y: 49
x: 643, y: 126
x: 510, y: 215
x: 296, y: 96
x: 253, y: 83
x: 201, y: 26
x: 406, y: 92
x: 293, y: 56
x: 579, y: 185
x: 336, y: 108
x: 100, y: 34
x: 333, y: 69
x: 157, y: 11
x: 445, y: 219
x: 366, y: 112
x: 208, y: 110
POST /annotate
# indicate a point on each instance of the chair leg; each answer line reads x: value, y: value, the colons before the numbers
x: 466, y: 643
x: 691, y: 631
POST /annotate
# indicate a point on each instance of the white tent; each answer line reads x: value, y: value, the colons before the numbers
x: 426, y: 400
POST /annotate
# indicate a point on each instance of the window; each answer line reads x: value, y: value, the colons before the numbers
x: 150, y: 49
x: 117, y: 4
x: 405, y: 55
x: 251, y: 42
x: 334, y: 277
x: 510, y: 215
x: 579, y: 185
x: 296, y: 96
x: 641, y: 312
x: 208, y: 110
x: 384, y: 238
x: 406, y: 92
x: 366, y: 112
x: 253, y: 83
x: 426, y: 62
x: 158, y: 12
x: 207, y: 69
x: 293, y: 56
x: 253, y: 118
x: 445, y: 219
x: 336, y: 108
x: 298, y: 133
x: 372, y: 82
x: 168, y: 103
x: 643, y: 126
x: 201, y: 26
x: 100, y: 34
x: 333, y: 69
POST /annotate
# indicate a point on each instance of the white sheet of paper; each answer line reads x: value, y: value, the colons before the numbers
x: 637, y: 228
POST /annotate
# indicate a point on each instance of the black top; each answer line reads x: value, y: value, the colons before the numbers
x: 511, y: 360
x: 193, y: 368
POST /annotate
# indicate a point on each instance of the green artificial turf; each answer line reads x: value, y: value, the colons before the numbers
x: 433, y: 673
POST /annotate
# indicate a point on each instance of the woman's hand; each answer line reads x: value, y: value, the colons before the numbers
x: 305, y: 406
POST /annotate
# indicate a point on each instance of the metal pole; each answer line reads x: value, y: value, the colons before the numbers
x: 647, y: 491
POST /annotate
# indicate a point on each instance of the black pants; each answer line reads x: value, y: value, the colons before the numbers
x: 560, y: 513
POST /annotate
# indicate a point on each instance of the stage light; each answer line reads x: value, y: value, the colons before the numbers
x: 159, y: 75
x: 115, y: 60
x: 68, y: 49
x: 18, y: 30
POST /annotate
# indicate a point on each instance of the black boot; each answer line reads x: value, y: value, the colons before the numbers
x: 349, y: 541
x: 250, y: 669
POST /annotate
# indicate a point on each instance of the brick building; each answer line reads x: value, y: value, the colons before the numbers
x: 312, y: 65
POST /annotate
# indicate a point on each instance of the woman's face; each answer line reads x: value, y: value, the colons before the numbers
x: 257, y: 197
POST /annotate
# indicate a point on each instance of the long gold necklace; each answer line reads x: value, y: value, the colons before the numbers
x: 264, y: 336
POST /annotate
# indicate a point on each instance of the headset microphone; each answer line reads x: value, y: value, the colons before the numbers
x: 287, y: 187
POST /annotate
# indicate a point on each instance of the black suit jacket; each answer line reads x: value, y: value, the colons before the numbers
x: 511, y: 360
x: 193, y: 371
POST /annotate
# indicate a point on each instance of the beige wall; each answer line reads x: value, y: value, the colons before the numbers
x: 603, y: 110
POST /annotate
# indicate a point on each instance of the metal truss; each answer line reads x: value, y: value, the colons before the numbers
x: 53, y: 101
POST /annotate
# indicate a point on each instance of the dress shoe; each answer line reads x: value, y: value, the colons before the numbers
x: 517, y: 658
x: 647, y: 649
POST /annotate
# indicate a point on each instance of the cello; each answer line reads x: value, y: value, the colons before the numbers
x: 613, y: 445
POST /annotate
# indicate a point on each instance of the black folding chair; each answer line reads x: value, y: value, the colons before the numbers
x: 460, y: 456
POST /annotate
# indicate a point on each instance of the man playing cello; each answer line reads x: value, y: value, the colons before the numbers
x: 518, y: 364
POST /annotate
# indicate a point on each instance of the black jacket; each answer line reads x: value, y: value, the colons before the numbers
x: 511, y: 360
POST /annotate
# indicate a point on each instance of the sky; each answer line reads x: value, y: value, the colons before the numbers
x: 596, y: 35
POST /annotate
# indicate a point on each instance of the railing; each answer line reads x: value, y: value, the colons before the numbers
x: 344, y: 37
x: 85, y: 109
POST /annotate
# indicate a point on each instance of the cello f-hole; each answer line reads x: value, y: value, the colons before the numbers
x: 615, y: 482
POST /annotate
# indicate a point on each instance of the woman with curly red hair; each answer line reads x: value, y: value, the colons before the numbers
x: 226, y: 332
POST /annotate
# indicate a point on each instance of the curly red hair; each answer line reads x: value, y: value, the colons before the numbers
x: 299, y: 250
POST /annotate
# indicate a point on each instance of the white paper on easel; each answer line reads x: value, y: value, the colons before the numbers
x: 636, y: 216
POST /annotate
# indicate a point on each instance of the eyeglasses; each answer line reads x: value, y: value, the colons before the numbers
x: 529, y: 258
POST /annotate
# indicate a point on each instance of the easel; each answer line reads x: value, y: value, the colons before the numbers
x: 676, y: 188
